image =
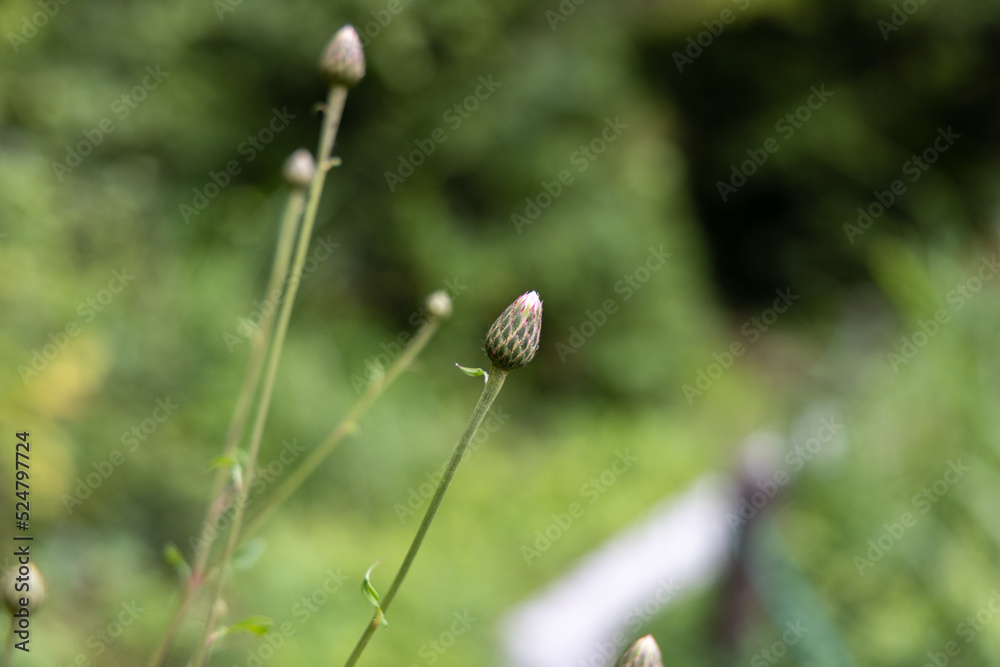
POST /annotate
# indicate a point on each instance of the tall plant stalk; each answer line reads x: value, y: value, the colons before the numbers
x: 511, y: 342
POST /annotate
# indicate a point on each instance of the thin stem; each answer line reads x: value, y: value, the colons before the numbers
x: 346, y: 427
x: 490, y: 391
x: 237, y: 423
x: 331, y: 122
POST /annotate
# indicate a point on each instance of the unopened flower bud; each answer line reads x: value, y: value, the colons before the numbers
x: 513, y: 339
x: 643, y: 653
x: 23, y: 584
x: 300, y: 167
x: 343, y: 61
x: 439, y: 304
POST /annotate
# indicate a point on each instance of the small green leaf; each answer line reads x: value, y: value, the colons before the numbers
x: 372, y: 594
x: 248, y: 554
x: 222, y: 462
x: 257, y: 625
x: 175, y: 559
x: 475, y: 372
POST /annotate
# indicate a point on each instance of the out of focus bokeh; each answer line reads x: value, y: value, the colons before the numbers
x: 762, y: 424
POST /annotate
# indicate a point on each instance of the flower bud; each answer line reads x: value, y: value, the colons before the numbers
x: 439, y: 304
x: 643, y: 653
x: 513, y: 339
x: 23, y: 582
x: 343, y: 61
x: 300, y: 167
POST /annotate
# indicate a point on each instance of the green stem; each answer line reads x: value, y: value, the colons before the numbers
x: 346, y: 427
x: 490, y: 391
x: 237, y: 423
x: 331, y: 122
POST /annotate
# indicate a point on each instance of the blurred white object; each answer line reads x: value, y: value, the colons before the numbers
x: 590, y: 615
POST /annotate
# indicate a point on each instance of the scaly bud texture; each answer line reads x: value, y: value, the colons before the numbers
x: 513, y: 339
x: 343, y: 61
x: 643, y: 653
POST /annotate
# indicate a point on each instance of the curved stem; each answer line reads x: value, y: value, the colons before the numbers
x: 490, y: 391
x: 331, y: 122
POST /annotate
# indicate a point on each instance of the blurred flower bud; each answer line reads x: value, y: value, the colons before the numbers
x: 343, y: 61
x: 439, y: 304
x: 300, y: 167
x: 23, y: 582
x: 513, y: 339
x: 643, y: 653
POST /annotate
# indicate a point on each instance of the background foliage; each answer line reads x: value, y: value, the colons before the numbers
x: 563, y: 70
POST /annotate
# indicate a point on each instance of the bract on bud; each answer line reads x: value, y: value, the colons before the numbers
x: 513, y: 339
x: 343, y: 61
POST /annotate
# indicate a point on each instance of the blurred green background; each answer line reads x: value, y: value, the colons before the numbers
x: 116, y: 115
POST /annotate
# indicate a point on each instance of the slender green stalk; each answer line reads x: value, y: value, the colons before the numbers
x: 237, y: 423
x: 346, y: 427
x: 331, y: 123
x: 490, y: 392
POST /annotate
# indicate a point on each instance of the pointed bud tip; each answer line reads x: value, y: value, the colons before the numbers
x: 343, y: 60
x: 643, y: 653
x: 512, y: 340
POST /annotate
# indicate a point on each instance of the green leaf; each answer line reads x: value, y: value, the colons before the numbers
x: 222, y: 462
x: 257, y: 625
x: 475, y: 372
x: 372, y: 595
x: 248, y: 554
x: 175, y: 559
